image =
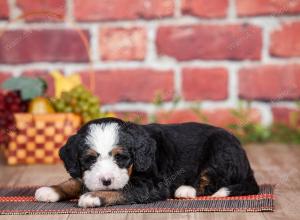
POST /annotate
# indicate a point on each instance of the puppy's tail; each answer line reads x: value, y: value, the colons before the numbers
x: 247, y: 187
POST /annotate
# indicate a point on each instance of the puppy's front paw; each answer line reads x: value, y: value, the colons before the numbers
x: 185, y: 192
x: 46, y: 194
x: 222, y: 192
x: 88, y: 200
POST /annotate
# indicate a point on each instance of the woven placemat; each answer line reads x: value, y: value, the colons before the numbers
x: 20, y: 201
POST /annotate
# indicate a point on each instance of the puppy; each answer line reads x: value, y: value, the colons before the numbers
x: 115, y: 162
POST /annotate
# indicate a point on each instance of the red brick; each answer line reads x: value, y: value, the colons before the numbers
x: 271, y: 82
x: 284, y: 115
x: 130, y: 85
x: 18, y: 46
x: 206, y: 9
x: 45, y: 76
x: 267, y: 7
x: 123, y: 43
x: 95, y: 10
x: 4, y: 12
x: 137, y: 117
x: 215, y: 42
x: 46, y: 10
x: 218, y: 117
x: 202, y: 83
x: 285, y: 42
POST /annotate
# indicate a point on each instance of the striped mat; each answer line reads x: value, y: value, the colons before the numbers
x: 20, y: 201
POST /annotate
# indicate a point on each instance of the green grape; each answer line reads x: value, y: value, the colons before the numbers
x: 94, y: 110
x: 75, y: 94
x: 94, y: 100
x: 66, y: 97
x: 60, y: 105
x: 85, y: 107
x: 68, y: 109
x: 85, y: 96
x: 81, y: 97
x: 80, y: 101
x: 81, y: 105
x: 79, y: 89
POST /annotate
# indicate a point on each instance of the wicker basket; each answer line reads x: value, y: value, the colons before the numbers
x: 37, y: 138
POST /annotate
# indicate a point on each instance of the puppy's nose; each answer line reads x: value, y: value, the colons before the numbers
x: 106, y: 182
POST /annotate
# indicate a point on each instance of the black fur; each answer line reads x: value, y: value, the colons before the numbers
x: 165, y: 157
x: 69, y: 153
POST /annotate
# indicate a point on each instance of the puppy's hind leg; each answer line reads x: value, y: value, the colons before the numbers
x: 185, y: 191
x: 247, y: 187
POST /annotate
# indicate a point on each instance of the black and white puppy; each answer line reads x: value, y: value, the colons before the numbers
x: 115, y: 162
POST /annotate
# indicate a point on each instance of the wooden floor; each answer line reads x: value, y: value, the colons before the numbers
x: 272, y: 163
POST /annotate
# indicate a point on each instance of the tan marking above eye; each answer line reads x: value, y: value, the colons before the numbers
x: 117, y: 150
x: 91, y: 152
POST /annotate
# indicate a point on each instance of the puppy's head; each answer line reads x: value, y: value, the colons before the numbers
x: 105, y: 152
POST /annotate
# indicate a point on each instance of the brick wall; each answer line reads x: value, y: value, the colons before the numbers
x: 214, y: 52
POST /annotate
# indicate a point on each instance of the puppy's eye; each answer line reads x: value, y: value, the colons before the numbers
x: 87, y: 161
x: 121, y: 157
x: 122, y: 160
x: 90, y: 159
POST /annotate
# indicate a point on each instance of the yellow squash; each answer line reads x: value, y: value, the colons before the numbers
x: 64, y: 83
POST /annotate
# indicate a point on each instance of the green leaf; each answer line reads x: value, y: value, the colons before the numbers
x: 29, y: 87
x: 158, y: 99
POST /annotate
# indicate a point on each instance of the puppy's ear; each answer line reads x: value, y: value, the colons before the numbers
x: 69, y: 155
x: 143, y: 151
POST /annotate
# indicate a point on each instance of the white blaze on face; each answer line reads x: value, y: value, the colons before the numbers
x: 103, y: 138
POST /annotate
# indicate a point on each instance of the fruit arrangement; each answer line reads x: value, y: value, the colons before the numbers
x: 25, y: 94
